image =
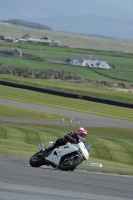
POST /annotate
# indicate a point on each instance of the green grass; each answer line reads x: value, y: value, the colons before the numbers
x: 66, y: 103
x: 117, y: 74
x: 125, y: 64
x: 48, y: 53
x: 14, y: 112
x: 66, y: 51
x: 83, y: 89
x: 122, y: 61
x: 34, y: 64
x: 23, y: 140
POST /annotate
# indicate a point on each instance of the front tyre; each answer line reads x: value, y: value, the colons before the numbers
x: 37, y: 160
x: 70, y: 164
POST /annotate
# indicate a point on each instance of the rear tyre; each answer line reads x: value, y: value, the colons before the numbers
x: 70, y: 164
x: 37, y: 160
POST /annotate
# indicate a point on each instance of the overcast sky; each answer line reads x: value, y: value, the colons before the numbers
x: 112, y: 18
x: 125, y: 4
x: 66, y: 7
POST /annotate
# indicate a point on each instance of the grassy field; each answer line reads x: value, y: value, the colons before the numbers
x: 66, y: 103
x: 126, y: 66
x: 122, y: 61
x: 103, y: 92
x: 14, y: 112
x: 111, y: 147
x: 66, y: 51
x: 117, y: 75
x: 71, y: 40
x: 34, y: 64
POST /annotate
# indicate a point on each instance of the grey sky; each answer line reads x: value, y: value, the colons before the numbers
x: 125, y: 4
x: 112, y: 18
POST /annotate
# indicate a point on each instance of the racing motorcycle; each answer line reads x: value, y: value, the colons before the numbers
x: 66, y: 157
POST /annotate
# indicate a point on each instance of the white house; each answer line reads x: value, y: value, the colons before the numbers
x: 89, y: 61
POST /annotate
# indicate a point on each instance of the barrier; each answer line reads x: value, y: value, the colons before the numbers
x: 95, y: 165
x: 108, y: 101
x: 67, y: 94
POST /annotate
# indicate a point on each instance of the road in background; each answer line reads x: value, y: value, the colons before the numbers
x: 87, y: 120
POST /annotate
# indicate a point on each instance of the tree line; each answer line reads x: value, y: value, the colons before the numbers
x: 28, y: 24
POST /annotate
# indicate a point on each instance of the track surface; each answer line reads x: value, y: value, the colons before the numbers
x: 20, y: 181
x: 87, y: 120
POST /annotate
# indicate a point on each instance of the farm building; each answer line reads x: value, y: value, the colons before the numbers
x: 1, y: 37
x: 55, y: 43
x: 46, y: 38
x: 25, y: 36
x: 9, y: 39
x: 35, y: 41
x: 17, y: 53
x: 89, y: 61
x: 22, y: 41
x: 38, y: 41
x: 11, y: 52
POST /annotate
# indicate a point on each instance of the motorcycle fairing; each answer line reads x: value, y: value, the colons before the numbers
x: 59, y: 152
x: 84, y: 151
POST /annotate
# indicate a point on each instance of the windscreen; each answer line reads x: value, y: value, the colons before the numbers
x: 87, y: 144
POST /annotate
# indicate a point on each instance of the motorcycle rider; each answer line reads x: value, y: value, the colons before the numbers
x: 71, y: 137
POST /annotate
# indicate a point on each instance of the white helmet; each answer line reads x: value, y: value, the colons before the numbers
x: 81, y: 132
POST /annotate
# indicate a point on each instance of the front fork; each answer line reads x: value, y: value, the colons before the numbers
x: 42, y: 149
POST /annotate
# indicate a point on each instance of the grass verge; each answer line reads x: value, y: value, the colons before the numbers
x: 66, y: 103
x: 10, y: 111
x: 83, y: 89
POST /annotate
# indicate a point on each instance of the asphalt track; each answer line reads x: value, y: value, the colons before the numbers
x: 20, y: 181
x: 87, y: 120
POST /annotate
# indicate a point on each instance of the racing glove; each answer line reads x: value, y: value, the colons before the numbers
x: 74, y: 141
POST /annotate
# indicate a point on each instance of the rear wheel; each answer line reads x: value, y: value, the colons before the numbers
x: 37, y: 160
x: 70, y: 164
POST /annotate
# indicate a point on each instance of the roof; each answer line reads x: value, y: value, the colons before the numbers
x: 101, y: 59
x: 92, y: 58
x: 79, y: 58
x: 9, y: 38
x: 46, y: 38
x: 38, y: 40
x: 82, y: 58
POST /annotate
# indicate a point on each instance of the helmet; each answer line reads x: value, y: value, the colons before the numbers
x: 81, y: 132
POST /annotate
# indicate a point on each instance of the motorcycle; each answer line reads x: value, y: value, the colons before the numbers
x: 66, y: 157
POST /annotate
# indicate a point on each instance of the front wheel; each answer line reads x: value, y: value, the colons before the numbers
x: 70, y: 164
x: 37, y: 160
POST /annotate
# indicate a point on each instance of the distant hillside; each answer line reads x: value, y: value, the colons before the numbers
x: 28, y: 24
x: 91, y: 35
x: 68, y: 39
